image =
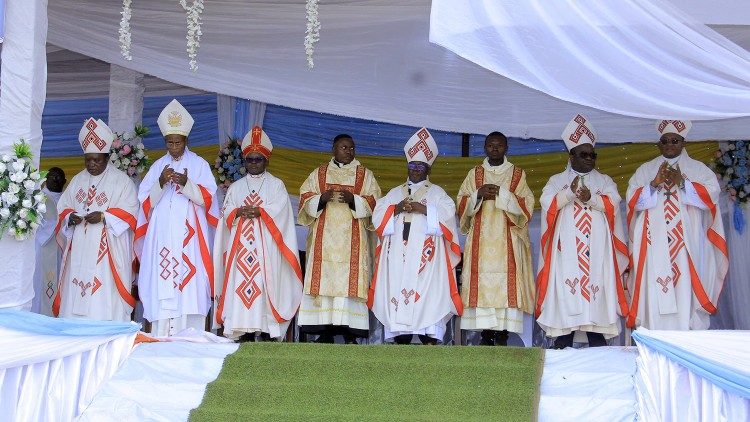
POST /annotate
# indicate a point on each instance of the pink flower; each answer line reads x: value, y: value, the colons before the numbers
x: 134, y: 162
x: 732, y: 191
x: 117, y: 143
x: 718, y: 154
x: 131, y: 171
x: 126, y: 149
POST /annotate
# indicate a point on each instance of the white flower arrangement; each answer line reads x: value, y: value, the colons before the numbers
x: 22, y: 203
x: 312, y: 34
x: 124, y: 30
x: 128, y: 152
x: 193, y: 15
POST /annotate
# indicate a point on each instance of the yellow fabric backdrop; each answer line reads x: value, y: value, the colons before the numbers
x: 293, y: 166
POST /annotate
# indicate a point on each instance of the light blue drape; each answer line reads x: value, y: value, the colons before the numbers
x: 30, y: 322
x: 723, y: 376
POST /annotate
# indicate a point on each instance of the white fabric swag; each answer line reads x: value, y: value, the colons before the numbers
x: 641, y: 58
x: 374, y: 61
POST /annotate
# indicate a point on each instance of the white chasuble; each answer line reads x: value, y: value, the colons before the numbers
x: 97, y: 261
x: 414, y: 284
x: 258, y: 279
x: 497, y: 274
x: 582, y: 257
x: 174, y: 239
x: 339, y: 254
x: 679, y: 253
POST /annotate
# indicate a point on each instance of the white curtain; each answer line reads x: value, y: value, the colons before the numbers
x: 237, y: 116
x: 225, y: 111
x: 247, y: 113
x: 733, y: 303
x: 22, y: 96
x: 125, y: 99
x: 686, y: 376
x: 2, y: 20
x: 374, y: 61
x: 641, y: 58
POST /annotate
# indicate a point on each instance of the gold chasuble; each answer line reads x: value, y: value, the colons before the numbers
x: 339, y: 257
x: 497, y: 278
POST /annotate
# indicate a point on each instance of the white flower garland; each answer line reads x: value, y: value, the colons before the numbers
x: 312, y: 35
x: 125, y: 37
x: 193, y: 15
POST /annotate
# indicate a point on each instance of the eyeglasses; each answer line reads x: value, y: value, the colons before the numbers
x: 669, y: 141
x: 587, y: 155
x: 254, y: 159
x: 416, y: 166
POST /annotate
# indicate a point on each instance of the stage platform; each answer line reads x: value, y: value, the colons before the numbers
x: 58, y: 369
x: 589, y: 384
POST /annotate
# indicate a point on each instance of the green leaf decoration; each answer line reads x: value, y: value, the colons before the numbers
x: 141, y: 131
x: 22, y: 149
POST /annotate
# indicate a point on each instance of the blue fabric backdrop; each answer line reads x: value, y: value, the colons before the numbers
x: 287, y: 127
x: 62, y: 120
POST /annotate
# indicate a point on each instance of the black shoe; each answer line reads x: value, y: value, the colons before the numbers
x: 266, y: 337
x: 596, y: 339
x: 427, y: 340
x: 403, y: 339
x: 324, y: 338
x: 247, y: 337
x: 488, y: 338
x: 501, y: 338
x: 350, y: 339
x: 562, y: 342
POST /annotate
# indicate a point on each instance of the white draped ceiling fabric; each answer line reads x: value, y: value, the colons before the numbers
x: 641, y: 58
x: 374, y: 61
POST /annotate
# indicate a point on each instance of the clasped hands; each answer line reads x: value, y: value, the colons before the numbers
x: 667, y: 173
x: 581, y: 192
x: 248, y: 211
x: 91, y: 218
x: 170, y: 175
x: 407, y: 205
x: 340, y: 196
x: 488, y: 192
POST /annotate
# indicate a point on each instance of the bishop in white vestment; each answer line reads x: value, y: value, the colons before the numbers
x: 95, y: 229
x: 414, y: 284
x: 583, y: 256
x: 257, y: 272
x: 174, y: 237
x: 679, y: 252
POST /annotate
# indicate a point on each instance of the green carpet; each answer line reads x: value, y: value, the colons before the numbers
x: 272, y: 381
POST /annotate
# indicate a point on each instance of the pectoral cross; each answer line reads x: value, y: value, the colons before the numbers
x: 669, y: 194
